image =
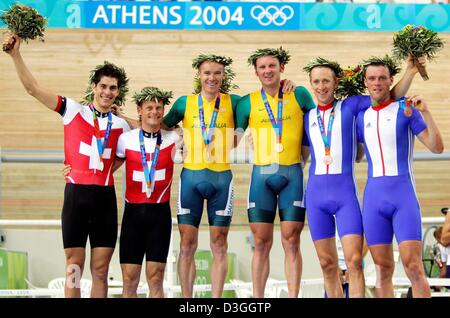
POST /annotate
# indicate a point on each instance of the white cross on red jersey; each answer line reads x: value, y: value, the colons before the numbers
x: 138, y: 176
x: 92, y: 152
x: 80, y: 144
x: 128, y: 148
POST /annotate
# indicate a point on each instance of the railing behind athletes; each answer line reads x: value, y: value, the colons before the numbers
x: 236, y: 158
x: 275, y: 286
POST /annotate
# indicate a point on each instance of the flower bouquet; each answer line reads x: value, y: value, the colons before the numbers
x: 24, y: 21
x: 417, y: 41
x: 351, y: 82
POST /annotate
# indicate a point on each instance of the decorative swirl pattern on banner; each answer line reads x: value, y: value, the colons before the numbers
x: 239, y: 15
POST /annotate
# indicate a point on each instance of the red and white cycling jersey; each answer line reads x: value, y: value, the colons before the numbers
x: 80, y: 144
x: 128, y: 148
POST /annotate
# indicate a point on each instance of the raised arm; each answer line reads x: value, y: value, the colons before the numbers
x: 430, y: 137
x: 401, y: 88
x: 30, y: 84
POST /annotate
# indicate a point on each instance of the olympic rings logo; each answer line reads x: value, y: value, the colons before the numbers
x: 272, y: 14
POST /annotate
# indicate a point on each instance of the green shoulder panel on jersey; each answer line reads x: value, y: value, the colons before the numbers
x: 304, y: 98
x: 176, y: 113
x: 234, y: 101
x: 243, y: 112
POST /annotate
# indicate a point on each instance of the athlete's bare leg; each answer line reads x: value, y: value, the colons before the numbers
x: 328, y: 258
x: 100, y: 259
x: 290, y: 239
x: 411, y: 255
x: 131, y: 274
x: 186, y: 263
x: 352, y: 245
x: 75, y: 258
x: 219, y: 268
x: 383, y: 258
x: 263, y: 239
x: 155, y: 279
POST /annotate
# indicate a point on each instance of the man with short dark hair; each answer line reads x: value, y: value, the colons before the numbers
x: 331, y: 193
x: 276, y: 122
x: 91, y: 133
x: 390, y: 206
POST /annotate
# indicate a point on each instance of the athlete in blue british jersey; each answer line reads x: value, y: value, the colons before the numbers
x: 331, y: 195
x: 390, y: 202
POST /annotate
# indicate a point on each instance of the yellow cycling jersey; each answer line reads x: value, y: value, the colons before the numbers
x: 264, y: 135
x: 217, y: 157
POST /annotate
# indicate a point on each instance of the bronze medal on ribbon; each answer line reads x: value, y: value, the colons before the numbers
x: 408, y: 111
x: 328, y: 160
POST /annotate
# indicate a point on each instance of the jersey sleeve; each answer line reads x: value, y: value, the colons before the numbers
x: 416, y: 122
x: 305, y: 140
x: 120, y: 150
x: 176, y: 113
x: 304, y: 98
x: 67, y: 108
x: 61, y: 105
x: 243, y: 112
x: 234, y: 101
x: 360, y: 127
x: 357, y: 103
x: 122, y: 123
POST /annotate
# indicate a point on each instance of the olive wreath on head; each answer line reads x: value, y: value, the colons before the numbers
x: 281, y: 54
x: 391, y: 63
x: 152, y: 93
x: 320, y: 61
x: 229, y: 74
x: 123, y: 88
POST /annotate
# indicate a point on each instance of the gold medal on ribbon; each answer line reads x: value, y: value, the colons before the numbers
x: 208, y: 153
x: 100, y: 166
x: 279, y: 147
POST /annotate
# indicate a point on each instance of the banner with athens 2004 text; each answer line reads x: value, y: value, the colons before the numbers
x: 238, y: 15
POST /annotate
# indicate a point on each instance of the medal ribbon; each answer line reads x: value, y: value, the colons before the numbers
x: 101, y: 147
x: 326, y: 137
x: 149, y: 176
x: 276, y: 124
x: 207, y: 136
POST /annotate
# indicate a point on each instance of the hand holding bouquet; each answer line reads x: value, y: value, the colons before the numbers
x: 417, y: 41
x: 24, y: 21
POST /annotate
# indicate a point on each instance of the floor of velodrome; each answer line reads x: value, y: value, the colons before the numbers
x: 163, y: 58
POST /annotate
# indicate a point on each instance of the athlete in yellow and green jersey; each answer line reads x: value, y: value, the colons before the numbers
x: 276, y: 170
x: 206, y: 172
x: 276, y: 123
x: 208, y: 135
